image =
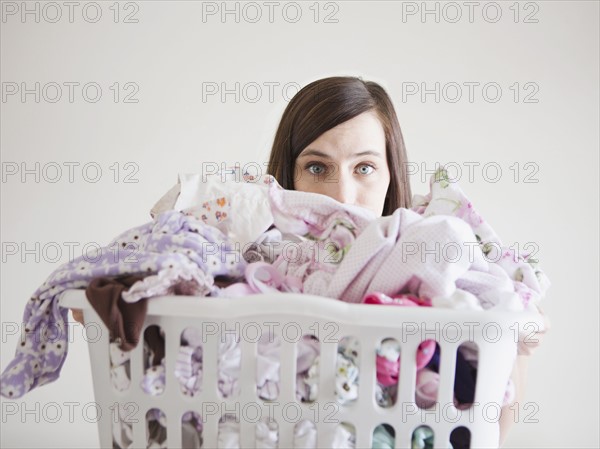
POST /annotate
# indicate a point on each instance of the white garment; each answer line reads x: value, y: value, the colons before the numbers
x: 249, y: 214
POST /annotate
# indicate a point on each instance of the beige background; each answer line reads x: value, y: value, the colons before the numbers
x: 170, y: 54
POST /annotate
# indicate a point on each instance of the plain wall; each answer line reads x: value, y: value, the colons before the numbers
x: 534, y: 113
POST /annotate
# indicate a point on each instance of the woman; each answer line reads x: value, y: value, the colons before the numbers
x: 340, y: 137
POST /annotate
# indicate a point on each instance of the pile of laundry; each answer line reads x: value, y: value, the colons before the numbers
x: 213, y: 237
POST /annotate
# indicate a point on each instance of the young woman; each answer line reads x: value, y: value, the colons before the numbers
x: 340, y: 137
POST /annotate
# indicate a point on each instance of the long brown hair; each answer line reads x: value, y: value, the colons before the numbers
x: 324, y: 104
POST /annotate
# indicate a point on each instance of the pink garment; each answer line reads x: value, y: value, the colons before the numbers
x: 441, y: 249
x: 237, y: 289
x: 447, y: 198
x: 379, y: 258
x: 426, y: 391
x: 304, y: 213
x: 387, y: 255
x: 388, y: 370
x: 262, y: 277
x: 404, y: 299
x: 317, y: 231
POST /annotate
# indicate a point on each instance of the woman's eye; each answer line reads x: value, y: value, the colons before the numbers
x: 366, y: 169
x: 316, y: 169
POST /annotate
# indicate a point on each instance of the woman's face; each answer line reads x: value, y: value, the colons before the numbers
x: 347, y: 163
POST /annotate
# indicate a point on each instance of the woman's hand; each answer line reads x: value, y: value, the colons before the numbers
x: 533, y: 340
x: 525, y: 348
x: 78, y: 315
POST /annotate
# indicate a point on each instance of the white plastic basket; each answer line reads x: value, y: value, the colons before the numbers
x: 330, y: 320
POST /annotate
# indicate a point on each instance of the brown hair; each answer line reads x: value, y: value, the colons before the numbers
x: 324, y: 104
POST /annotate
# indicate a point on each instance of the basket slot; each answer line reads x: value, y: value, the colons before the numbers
x: 209, y: 390
x: 287, y: 391
x: 140, y: 436
x: 447, y: 371
x: 287, y: 371
x: 325, y: 408
x: 248, y: 393
x: 137, y: 369
x: 174, y: 407
x: 404, y: 415
x: 172, y: 344
x: 367, y: 373
x: 327, y: 364
x: 98, y: 343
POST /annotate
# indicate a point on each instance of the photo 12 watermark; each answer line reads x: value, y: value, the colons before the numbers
x: 54, y: 252
x: 293, y: 412
x: 248, y: 91
x: 70, y: 92
x: 71, y: 172
x: 470, y: 12
x: 470, y: 92
x: 70, y: 12
x: 270, y: 12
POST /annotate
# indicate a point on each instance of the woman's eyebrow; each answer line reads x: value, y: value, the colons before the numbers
x: 311, y: 152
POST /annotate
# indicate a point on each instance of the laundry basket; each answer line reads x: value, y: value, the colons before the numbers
x: 291, y: 316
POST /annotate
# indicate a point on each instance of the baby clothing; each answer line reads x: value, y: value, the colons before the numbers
x: 173, y: 241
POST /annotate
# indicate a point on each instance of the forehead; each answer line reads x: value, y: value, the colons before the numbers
x: 361, y: 135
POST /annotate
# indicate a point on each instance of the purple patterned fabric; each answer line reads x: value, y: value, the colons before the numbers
x: 171, y: 240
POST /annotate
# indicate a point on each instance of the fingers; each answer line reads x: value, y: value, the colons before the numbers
x: 528, y: 343
x: 546, y: 319
x: 77, y: 315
